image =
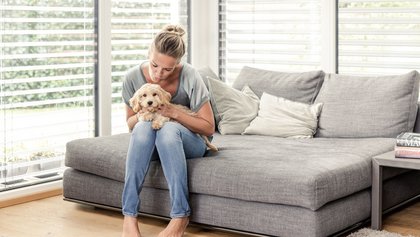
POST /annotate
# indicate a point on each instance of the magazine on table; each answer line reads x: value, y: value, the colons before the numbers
x: 408, y: 139
x: 407, y: 152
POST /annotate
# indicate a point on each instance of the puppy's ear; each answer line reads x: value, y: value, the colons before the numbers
x: 166, y: 96
x: 135, y: 102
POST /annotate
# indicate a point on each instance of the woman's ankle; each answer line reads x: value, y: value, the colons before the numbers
x: 175, y: 228
x: 130, y: 227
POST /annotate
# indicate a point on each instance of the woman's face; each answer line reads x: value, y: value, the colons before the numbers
x: 161, y: 66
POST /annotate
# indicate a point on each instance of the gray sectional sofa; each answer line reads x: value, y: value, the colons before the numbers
x: 268, y: 184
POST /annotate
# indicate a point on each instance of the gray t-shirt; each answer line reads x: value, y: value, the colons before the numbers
x: 191, y: 92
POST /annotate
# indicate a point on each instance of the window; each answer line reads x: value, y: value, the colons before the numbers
x: 373, y: 37
x: 274, y: 35
x: 46, y: 89
x: 47, y: 76
x: 134, y: 24
x: 378, y: 37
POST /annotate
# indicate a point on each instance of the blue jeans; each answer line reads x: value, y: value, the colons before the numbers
x: 174, y: 144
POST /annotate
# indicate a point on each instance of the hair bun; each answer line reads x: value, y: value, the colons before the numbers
x: 169, y: 41
x: 177, y: 29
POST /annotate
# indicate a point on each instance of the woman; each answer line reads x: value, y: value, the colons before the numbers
x: 175, y: 141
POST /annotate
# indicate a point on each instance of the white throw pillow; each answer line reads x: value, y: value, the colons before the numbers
x: 233, y: 109
x: 280, y: 117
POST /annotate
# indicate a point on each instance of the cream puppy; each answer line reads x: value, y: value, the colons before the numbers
x: 146, y: 102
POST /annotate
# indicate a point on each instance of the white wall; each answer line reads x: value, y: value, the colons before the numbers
x: 204, y: 34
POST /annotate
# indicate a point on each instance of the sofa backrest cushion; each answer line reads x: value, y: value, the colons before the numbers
x: 301, y: 87
x: 356, y: 107
x: 206, y: 73
x: 417, y: 123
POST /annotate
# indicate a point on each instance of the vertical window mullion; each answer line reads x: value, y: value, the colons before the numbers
x: 329, y: 36
x: 103, y: 98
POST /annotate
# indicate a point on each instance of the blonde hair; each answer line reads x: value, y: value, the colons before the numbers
x: 169, y: 41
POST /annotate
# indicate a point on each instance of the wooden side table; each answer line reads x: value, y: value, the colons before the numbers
x: 378, y: 162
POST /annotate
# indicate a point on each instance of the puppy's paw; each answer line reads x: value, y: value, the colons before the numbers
x: 147, y: 116
x: 209, y: 145
x: 157, y: 124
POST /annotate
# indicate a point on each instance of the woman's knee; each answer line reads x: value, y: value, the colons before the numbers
x: 169, y: 133
x: 142, y: 130
x: 142, y: 127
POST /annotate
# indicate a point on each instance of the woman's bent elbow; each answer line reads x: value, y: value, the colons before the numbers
x: 209, y: 131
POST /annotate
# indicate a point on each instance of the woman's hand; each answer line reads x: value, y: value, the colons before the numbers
x: 169, y: 111
x: 201, y: 122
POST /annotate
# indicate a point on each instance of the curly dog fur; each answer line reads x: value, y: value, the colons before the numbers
x: 148, y: 99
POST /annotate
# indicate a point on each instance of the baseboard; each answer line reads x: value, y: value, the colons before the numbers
x: 31, y: 193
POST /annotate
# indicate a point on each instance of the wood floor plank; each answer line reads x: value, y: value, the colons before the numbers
x: 405, y: 221
x: 53, y: 217
x: 58, y: 218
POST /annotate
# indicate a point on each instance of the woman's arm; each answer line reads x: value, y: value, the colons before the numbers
x: 130, y: 117
x: 202, y: 123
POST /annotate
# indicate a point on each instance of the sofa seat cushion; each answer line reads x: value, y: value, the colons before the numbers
x: 299, y: 172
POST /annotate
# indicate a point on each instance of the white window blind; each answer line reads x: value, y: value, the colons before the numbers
x: 269, y: 34
x: 134, y: 24
x: 46, y: 86
x: 378, y: 37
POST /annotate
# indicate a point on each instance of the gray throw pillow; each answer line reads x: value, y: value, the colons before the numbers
x: 280, y: 117
x: 206, y: 73
x: 360, y: 107
x: 301, y: 87
x: 233, y: 109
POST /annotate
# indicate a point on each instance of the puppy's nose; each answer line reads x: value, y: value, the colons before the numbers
x: 149, y: 102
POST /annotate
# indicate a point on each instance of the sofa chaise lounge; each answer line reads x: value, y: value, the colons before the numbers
x: 266, y: 183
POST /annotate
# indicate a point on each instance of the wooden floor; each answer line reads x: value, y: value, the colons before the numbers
x: 53, y: 217
x: 405, y: 221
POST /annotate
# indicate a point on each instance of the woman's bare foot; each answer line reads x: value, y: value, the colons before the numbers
x: 175, y: 228
x: 130, y: 227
